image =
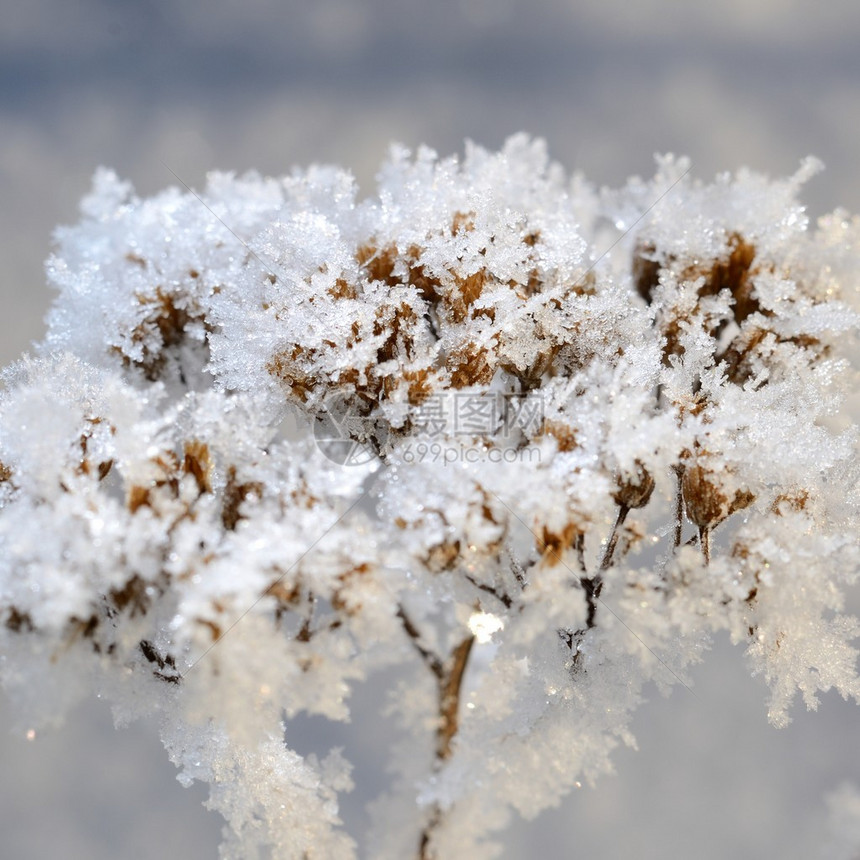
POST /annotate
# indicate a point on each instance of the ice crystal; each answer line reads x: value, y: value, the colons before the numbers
x: 532, y: 441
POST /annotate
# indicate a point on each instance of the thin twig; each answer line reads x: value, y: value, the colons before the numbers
x: 593, y: 585
x: 449, y: 697
x: 517, y: 570
x: 449, y: 680
x: 597, y: 599
x: 504, y: 599
x: 705, y: 540
x: 450, y: 686
x: 432, y: 823
x: 679, y: 506
x: 579, y: 546
x: 433, y: 662
x: 612, y: 543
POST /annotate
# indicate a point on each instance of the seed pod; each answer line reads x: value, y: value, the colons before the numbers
x: 636, y: 491
x: 742, y: 500
x: 705, y: 502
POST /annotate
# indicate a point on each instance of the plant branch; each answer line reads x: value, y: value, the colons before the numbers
x: 432, y: 660
x: 679, y: 506
x: 504, y: 599
x: 449, y: 697
x: 612, y: 543
x: 449, y: 681
x: 705, y: 540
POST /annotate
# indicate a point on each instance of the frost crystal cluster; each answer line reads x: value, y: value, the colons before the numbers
x: 514, y: 444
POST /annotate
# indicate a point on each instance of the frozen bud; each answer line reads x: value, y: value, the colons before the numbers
x: 704, y: 500
x: 635, y: 491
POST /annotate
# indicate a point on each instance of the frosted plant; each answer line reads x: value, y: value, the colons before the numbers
x: 278, y: 440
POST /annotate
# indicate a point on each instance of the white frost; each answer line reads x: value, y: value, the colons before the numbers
x: 278, y: 438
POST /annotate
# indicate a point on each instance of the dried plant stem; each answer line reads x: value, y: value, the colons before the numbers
x: 450, y: 684
x: 679, y: 507
x: 449, y: 679
x: 612, y: 543
x: 424, y: 844
x: 594, y: 585
x: 705, y: 540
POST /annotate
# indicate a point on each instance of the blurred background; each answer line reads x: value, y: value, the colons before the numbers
x: 191, y: 86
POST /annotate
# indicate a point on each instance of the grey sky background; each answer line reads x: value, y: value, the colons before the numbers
x: 263, y: 84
